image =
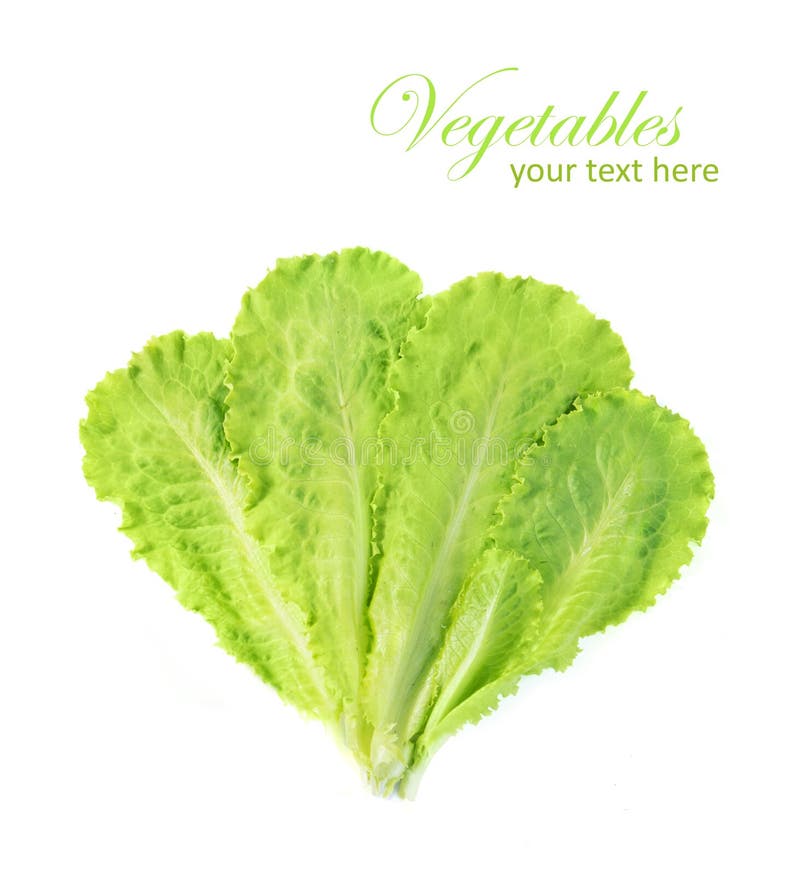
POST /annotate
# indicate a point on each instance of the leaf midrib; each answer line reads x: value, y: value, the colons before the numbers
x: 360, y: 522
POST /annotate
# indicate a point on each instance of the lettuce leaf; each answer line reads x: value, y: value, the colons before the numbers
x: 496, y: 361
x: 308, y: 388
x: 603, y: 511
x: 155, y: 446
x: 393, y: 507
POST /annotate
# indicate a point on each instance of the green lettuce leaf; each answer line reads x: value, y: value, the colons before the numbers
x: 155, y: 446
x: 606, y: 509
x: 394, y: 508
x: 312, y: 347
x: 496, y: 361
x: 603, y: 512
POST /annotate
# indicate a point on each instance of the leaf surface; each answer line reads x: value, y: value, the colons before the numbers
x: 155, y: 446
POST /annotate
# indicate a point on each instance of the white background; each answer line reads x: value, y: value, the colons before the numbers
x: 156, y: 159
